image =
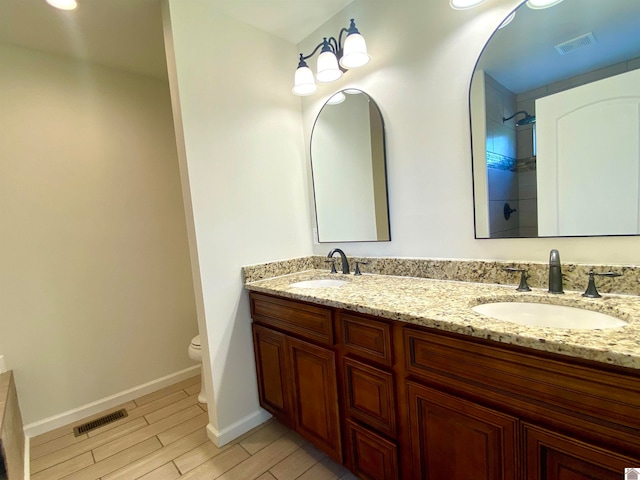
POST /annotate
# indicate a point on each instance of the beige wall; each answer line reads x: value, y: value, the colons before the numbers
x: 96, y: 288
x: 423, y: 55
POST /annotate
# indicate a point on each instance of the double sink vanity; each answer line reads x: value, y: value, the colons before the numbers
x: 398, y: 376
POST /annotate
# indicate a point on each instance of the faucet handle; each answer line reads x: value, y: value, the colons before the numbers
x: 358, y: 272
x: 523, y: 287
x: 333, y: 265
x: 591, y: 291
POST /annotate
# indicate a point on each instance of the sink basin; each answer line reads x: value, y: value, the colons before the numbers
x: 320, y: 283
x: 546, y: 315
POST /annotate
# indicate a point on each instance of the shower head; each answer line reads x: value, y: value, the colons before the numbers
x: 526, y: 120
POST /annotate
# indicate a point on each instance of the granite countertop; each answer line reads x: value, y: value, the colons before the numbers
x: 446, y: 305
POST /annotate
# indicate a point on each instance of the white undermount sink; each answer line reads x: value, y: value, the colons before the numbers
x: 320, y: 283
x: 547, y: 315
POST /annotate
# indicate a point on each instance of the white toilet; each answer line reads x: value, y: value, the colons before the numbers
x: 195, y: 354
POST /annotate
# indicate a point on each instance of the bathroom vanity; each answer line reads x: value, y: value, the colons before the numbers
x: 399, y: 378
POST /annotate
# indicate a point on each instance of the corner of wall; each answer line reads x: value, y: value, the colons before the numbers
x: 233, y: 431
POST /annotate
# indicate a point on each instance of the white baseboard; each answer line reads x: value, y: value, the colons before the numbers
x: 233, y: 431
x: 70, y: 416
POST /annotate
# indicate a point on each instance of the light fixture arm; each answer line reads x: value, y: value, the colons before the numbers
x: 334, y: 59
x: 331, y: 44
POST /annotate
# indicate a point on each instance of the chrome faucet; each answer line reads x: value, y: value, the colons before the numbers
x: 555, y: 272
x: 345, y: 262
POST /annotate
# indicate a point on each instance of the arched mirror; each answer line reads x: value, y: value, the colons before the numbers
x: 349, y: 170
x: 554, y: 104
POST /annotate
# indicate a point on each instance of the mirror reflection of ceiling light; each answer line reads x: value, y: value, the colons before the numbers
x: 464, y: 4
x: 63, y: 4
x: 507, y: 20
x: 335, y: 58
x: 540, y: 4
x: 336, y: 99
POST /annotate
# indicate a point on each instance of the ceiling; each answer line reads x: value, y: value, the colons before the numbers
x: 127, y: 34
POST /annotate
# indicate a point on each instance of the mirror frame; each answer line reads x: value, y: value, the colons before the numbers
x: 384, y: 165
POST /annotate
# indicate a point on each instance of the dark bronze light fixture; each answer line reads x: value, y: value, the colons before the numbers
x: 335, y: 58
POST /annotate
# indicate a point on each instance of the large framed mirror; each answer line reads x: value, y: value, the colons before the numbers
x: 555, y: 122
x: 348, y: 165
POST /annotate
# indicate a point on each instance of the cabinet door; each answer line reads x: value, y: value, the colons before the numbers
x: 455, y: 439
x: 315, y: 394
x: 372, y: 457
x: 551, y: 456
x: 271, y: 369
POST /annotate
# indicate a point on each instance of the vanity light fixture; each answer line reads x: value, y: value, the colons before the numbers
x: 464, y: 4
x: 63, y: 4
x: 335, y: 58
x: 540, y: 4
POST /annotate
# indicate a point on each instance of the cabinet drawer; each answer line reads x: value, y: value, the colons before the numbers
x: 366, y: 337
x: 539, y: 386
x: 308, y: 321
x: 370, y: 396
x: 371, y: 456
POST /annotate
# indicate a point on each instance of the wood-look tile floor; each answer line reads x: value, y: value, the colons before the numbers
x: 164, y: 438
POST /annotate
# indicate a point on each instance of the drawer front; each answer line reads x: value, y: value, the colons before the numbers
x: 539, y: 383
x: 308, y: 321
x: 366, y: 337
x: 370, y: 396
x: 371, y: 456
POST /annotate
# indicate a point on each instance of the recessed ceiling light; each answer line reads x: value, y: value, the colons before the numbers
x: 464, y: 4
x: 540, y: 4
x: 63, y: 4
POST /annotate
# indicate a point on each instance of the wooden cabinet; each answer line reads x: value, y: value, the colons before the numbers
x: 577, y: 420
x: 369, y: 392
x: 407, y: 402
x: 274, y: 384
x: 372, y: 457
x: 296, y: 368
x: 315, y: 395
x: 455, y: 439
x: 552, y: 456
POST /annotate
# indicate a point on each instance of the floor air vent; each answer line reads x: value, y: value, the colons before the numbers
x: 99, y: 422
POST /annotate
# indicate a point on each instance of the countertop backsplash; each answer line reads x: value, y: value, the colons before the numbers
x: 478, y: 271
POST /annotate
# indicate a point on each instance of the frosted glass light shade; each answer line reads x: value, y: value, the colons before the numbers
x: 354, y: 52
x: 540, y: 4
x: 63, y: 4
x: 464, y: 4
x: 303, y: 83
x: 328, y: 69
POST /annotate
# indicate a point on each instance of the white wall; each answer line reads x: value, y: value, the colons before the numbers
x: 423, y: 55
x: 243, y: 163
x: 95, y: 288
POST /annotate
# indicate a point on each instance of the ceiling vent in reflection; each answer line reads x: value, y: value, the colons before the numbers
x: 575, y: 43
